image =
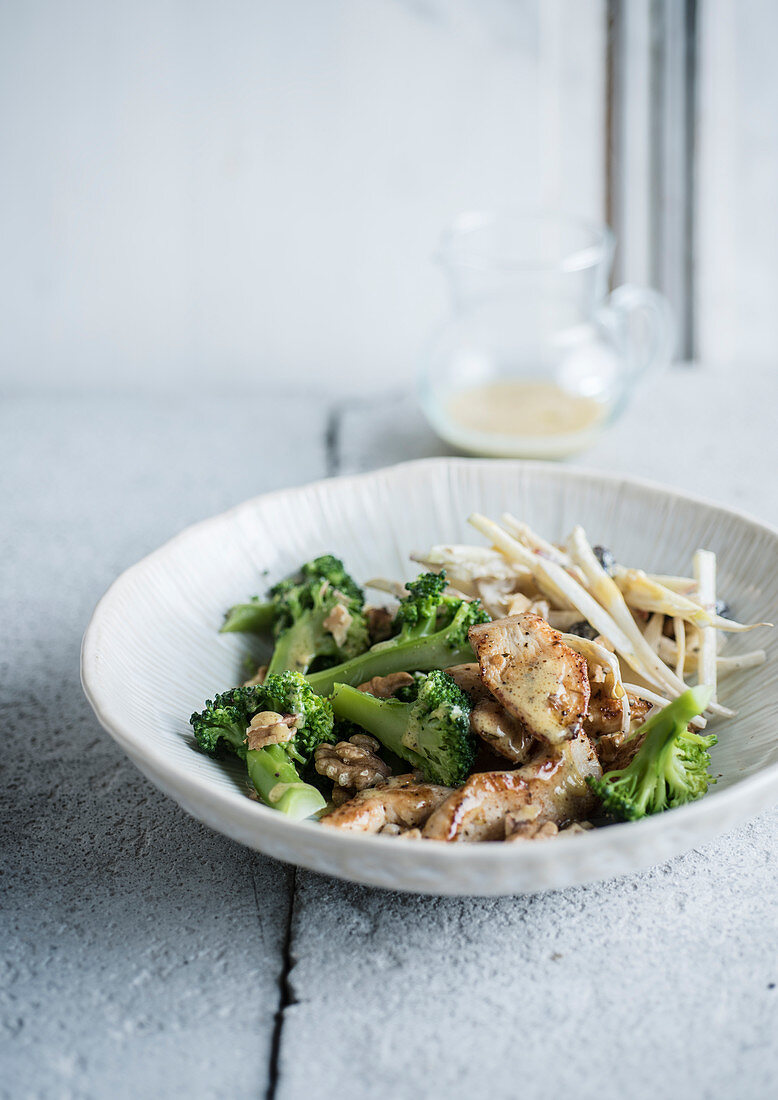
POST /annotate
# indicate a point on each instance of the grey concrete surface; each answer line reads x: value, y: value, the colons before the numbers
x: 143, y: 955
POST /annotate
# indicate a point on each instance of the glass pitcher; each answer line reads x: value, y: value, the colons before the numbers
x: 536, y: 357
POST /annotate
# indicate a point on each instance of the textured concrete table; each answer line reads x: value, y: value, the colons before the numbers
x: 145, y: 956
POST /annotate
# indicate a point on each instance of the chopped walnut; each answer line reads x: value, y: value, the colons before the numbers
x: 270, y: 728
x: 337, y: 622
x: 258, y: 677
x: 341, y: 795
x: 384, y: 687
x: 352, y: 763
x: 379, y: 624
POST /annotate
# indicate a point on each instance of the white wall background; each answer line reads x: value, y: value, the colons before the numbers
x: 737, y: 183
x: 222, y: 192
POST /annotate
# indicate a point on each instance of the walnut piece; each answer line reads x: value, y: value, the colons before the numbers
x: 379, y: 624
x: 384, y: 687
x: 337, y: 622
x: 270, y: 728
x: 352, y: 763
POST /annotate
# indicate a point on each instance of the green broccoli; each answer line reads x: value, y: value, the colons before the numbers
x: 431, y: 732
x: 307, y: 629
x: 255, y: 617
x: 297, y: 610
x: 431, y: 633
x: 670, y: 767
x: 273, y: 770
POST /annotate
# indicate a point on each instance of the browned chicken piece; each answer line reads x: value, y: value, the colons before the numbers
x: 516, y: 829
x: 503, y: 733
x: 537, y: 678
x: 468, y: 678
x: 604, y: 716
x: 384, y: 687
x: 406, y: 834
x: 404, y: 800
x: 603, y: 724
x: 615, y: 751
x: 529, y: 830
x: 549, y: 788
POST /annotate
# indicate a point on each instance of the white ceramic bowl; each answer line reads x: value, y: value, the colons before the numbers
x: 152, y: 654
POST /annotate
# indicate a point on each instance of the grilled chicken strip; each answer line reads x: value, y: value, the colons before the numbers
x: 509, y: 737
x: 537, y: 678
x: 468, y: 678
x: 603, y: 725
x: 604, y: 715
x: 403, y: 800
x: 549, y: 788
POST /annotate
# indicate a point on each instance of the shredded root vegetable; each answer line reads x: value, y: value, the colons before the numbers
x: 573, y: 585
x: 382, y: 584
x: 679, y: 630
x: 727, y: 665
x: 533, y: 541
x: 686, y: 586
x: 639, y: 654
x: 704, y: 562
x: 552, y: 578
x: 653, y: 631
x: 645, y: 594
x: 655, y: 671
x: 641, y: 692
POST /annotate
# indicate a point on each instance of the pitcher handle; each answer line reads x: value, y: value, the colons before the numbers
x: 641, y: 321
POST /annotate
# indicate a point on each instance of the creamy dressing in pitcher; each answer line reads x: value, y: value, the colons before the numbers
x: 522, y: 417
x: 524, y: 408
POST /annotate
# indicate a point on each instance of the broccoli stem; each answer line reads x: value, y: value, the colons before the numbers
x: 278, y: 783
x: 249, y: 618
x: 294, y: 649
x: 386, y: 719
x: 660, y: 727
x: 420, y: 655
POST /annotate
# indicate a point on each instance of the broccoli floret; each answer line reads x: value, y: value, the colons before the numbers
x: 670, y: 767
x: 258, y: 616
x: 305, y: 630
x: 432, y: 732
x: 419, y: 609
x: 331, y: 569
x: 273, y: 770
x: 431, y: 633
x: 297, y: 609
